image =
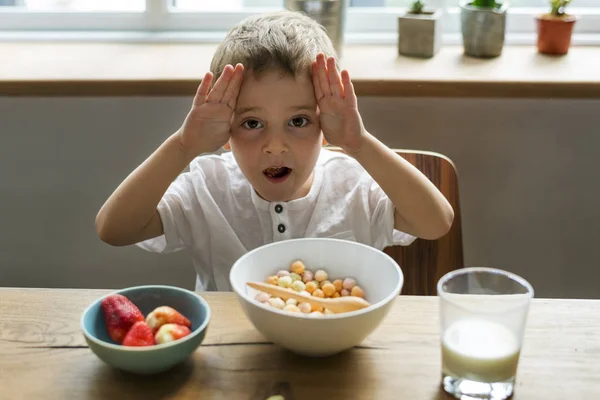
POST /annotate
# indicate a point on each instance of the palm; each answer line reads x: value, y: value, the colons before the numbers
x: 208, y: 124
x: 340, y: 120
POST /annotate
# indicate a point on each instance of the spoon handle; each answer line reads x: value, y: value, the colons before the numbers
x: 337, y: 305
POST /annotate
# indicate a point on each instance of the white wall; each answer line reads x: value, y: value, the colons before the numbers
x: 528, y: 175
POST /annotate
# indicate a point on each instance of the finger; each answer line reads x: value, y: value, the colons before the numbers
x: 238, y: 87
x: 233, y: 88
x: 216, y: 94
x: 203, y: 89
x: 316, y: 83
x: 350, y: 96
x: 334, y: 78
x: 322, y: 72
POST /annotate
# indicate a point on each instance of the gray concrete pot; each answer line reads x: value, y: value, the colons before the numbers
x: 419, y: 35
x: 329, y: 13
x: 483, y: 29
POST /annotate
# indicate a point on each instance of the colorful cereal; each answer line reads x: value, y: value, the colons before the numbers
x: 304, y: 281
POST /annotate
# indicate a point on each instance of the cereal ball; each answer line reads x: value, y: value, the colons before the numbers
x: 357, y: 291
x: 345, y: 292
x: 304, y: 292
x: 325, y: 282
x: 295, y: 277
x: 321, y: 275
x: 328, y: 311
x: 305, y: 308
x: 291, y: 308
x: 262, y: 297
x: 297, y: 267
x: 277, y: 302
x: 315, y: 307
x: 311, y: 287
x: 336, y: 295
x: 349, y: 283
x: 298, y: 286
x: 291, y: 301
x: 318, y: 293
x: 328, y: 289
x: 273, y: 279
x: 338, y: 285
x: 285, y: 281
x: 316, y: 314
x: 282, y: 272
x: 307, y: 276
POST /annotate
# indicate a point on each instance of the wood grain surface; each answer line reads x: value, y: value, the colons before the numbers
x: 164, y: 69
x: 43, y: 355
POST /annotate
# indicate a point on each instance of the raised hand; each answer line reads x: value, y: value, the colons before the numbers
x: 208, y: 124
x: 340, y: 120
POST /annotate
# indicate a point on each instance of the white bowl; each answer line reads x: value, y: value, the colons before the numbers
x: 377, y: 273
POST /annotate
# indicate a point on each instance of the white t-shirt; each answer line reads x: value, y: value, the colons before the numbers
x: 214, y: 211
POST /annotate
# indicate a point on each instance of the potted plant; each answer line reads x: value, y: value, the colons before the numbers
x: 555, y: 29
x: 331, y: 14
x: 483, y: 25
x: 419, y: 33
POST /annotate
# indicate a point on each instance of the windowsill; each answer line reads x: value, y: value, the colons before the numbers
x: 166, y: 69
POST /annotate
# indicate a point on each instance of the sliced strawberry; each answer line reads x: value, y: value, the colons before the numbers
x: 140, y: 334
x: 119, y: 315
x: 166, y: 315
x: 170, y: 332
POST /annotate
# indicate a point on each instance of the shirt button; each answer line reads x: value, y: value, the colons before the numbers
x: 278, y: 208
x: 281, y: 228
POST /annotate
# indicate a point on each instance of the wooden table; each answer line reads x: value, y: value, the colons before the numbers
x: 43, y: 356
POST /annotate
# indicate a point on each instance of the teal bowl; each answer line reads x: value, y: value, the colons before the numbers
x: 151, y: 359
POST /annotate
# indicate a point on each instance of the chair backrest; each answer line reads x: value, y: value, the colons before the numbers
x: 424, y: 262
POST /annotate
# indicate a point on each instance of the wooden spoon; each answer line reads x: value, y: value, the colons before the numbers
x: 337, y: 305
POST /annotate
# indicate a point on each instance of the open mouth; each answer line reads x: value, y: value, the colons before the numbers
x: 277, y: 173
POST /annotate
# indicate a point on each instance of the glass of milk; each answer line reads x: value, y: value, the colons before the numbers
x: 482, y: 313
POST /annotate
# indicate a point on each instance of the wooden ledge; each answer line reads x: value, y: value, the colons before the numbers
x: 136, y: 69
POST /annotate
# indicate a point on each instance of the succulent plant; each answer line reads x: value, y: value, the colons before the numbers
x: 558, y: 7
x: 486, y: 3
x: 417, y: 7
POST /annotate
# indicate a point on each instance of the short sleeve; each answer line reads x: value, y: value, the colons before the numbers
x: 178, y: 207
x: 382, y: 210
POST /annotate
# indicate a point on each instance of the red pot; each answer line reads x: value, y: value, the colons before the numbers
x: 554, y: 33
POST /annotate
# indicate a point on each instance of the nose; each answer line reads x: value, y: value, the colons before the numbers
x: 274, y: 143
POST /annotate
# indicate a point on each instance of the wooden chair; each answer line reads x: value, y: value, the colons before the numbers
x: 424, y: 262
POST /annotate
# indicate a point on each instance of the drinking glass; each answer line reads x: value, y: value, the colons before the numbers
x: 483, y: 312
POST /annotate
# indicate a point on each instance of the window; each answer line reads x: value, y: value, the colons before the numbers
x: 368, y: 21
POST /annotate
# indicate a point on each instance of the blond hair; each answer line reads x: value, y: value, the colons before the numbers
x: 283, y: 40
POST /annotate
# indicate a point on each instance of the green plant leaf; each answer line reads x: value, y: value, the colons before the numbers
x: 417, y: 7
x: 485, y: 3
x: 557, y: 7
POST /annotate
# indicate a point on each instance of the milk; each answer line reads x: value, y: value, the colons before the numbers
x: 480, y: 350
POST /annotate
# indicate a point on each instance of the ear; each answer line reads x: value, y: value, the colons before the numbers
x: 227, y: 146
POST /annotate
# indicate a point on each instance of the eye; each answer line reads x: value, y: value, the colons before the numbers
x: 252, y: 124
x: 299, y: 122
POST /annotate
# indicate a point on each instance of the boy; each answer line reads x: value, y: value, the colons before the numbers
x: 274, y: 111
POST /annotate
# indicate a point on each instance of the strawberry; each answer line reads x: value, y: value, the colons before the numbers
x: 119, y: 315
x: 170, y: 332
x: 140, y: 334
x: 166, y: 315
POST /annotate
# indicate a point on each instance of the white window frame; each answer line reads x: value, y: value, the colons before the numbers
x: 365, y: 25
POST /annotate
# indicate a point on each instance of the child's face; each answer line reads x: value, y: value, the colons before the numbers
x: 275, y: 134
